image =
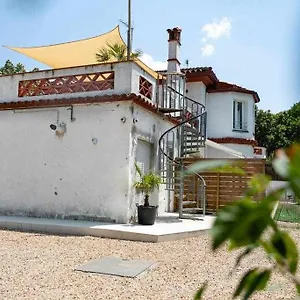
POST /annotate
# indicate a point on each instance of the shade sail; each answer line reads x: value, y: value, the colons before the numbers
x: 76, y: 53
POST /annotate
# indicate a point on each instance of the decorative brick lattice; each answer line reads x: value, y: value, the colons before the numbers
x: 67, y: 84
x: 145, y: 88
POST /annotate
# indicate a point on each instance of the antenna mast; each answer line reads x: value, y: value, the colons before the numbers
x: 129, y: 31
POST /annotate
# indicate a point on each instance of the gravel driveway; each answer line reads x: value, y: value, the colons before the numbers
x: 36, y: 266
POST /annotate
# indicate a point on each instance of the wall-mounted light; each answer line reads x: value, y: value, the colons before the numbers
x: 53, y: 126
x: 123, y: 120
x: 61, y: 130
x: 135, y: 121
x: 62, y: 127
x: 95, y: 141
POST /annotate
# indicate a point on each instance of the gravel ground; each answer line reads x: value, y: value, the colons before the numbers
x: 36, y: 266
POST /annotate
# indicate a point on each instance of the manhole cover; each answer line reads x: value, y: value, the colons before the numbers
x: 116, y: 266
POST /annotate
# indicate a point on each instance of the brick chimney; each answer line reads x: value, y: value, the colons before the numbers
x: 174, y: 46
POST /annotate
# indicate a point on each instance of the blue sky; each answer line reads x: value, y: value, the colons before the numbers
x: 250, y: 43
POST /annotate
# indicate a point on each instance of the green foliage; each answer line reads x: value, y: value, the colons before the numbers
x: 116, y: 52
x: 253, y: 280
x: 200, y: 292
x: 247, y: 224
x: 280, y: 130
x: 147, y: 183
x: 9, y: 68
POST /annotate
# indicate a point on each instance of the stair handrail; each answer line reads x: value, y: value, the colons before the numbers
x: 203, y: 113
x: 188, y: 98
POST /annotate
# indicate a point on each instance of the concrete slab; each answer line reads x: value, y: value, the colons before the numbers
x: 167, y: 227
x: 116, y: 266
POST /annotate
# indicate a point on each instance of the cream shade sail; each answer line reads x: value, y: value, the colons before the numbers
x: 76, y: 53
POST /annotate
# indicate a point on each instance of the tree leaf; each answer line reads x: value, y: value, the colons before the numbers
x: 200, y: 292
x: 242, y: 223
x: 244, y: 282
x: 298, y: 289
x: 230, y: 169
x: 206, y: 165
x: 252, y: 281
x: 293, y: 154
x: 257, y: 184
x: 284, y: 245
x: 281, y: 164
x: 247, y: 251
x: 257, y: 283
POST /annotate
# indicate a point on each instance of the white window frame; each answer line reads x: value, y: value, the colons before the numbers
x: 239, y: 116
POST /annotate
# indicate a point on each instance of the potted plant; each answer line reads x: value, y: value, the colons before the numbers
x: 147, y: 183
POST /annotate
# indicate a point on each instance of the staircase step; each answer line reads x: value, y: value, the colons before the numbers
x: 190, y: 129
x: 189, y: 152
x: 189, y: 202
x: 169, y: 110
x: 192, y: 209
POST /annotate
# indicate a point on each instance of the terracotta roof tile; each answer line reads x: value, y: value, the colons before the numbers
x: 221, y: 86
x: 137, y: 99
x: 234, y: 140
x: 196, y: 69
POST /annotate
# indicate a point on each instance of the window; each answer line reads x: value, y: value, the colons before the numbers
x: 239, y: 116
x: 144, y: 156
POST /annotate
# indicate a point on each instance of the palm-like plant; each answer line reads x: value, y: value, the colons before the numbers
x: 147, y: 183
x: 116, y: 52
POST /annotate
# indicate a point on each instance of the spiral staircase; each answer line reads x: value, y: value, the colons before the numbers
x: 187, y: 138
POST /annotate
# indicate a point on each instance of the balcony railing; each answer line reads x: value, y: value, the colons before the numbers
x: 67, y: 84
x: 82, y: 81
x: 240, y: 126
x: 145, y: 88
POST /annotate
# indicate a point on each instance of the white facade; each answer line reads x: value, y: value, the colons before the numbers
x: 220, y: 115
x: 84, y: 171
x: 246, y: 150
x: 196, y: 91
x: 126, y: 81
x: 148, y: 127
x: 220, y: 118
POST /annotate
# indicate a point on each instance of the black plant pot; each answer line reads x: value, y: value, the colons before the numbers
x: 146, y: 214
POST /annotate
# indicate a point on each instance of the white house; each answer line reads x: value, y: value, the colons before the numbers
x: 70, y: 135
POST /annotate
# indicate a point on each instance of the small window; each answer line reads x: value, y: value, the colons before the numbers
x: 144, y: 156
x: 239, y: 116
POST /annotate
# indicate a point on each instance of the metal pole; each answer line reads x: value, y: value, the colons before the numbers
x: 129, y: 31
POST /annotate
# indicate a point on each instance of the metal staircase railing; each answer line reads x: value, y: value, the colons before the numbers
x: 186, y: 138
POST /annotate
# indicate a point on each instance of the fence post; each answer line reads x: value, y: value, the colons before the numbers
x: 218, y: 190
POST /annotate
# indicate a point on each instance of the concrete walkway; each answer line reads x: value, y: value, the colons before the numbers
x: 167, y: 227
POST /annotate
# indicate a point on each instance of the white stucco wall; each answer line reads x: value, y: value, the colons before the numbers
x: 148, y: 127
x: 135, y: 81
x: 220, y: 115
x: 215, y: 150
x: 83, y: 173
x: 196, y: 91
x: 126, y: 81
x: 247, y: 150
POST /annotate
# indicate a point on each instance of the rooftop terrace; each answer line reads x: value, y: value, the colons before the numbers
x: 83, y: 81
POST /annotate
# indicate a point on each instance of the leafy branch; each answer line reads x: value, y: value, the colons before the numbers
x: 247, y: 224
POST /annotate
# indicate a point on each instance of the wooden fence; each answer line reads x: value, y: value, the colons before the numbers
x: 222, y: 187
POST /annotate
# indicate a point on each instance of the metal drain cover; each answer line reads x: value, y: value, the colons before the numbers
x: 116, y: 266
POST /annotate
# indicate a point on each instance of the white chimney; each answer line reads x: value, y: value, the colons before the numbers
x: 174, y: 46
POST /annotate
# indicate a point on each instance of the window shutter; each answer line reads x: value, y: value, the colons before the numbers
x: 234, y: 114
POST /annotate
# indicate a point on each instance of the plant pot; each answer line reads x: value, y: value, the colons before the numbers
x: 146, y: 214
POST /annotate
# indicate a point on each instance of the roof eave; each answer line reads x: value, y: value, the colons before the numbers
x: 253, y: 93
